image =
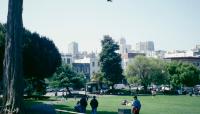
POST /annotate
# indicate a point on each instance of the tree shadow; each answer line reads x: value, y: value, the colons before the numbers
x: 65, y: 107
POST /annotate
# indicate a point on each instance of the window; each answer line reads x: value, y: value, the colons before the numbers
x: 68, y: 61
x: 93, y: 64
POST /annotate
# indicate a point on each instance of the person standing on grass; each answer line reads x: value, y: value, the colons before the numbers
x: 83, y: 104
x: 94, y: 105
x: 136, y: 105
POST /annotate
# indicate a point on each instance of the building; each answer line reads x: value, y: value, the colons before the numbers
x: 73, y: 49
x: 88, y: 66
x: 145, y: 46
x: 179, y: 53
x: 194, y: 60
x: 128, y: 56
x: 67, y: 58
x: 123, y: 47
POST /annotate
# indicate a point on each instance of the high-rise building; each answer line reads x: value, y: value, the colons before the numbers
x: 73, y: 49
x: 122, y: 45
x: 145, y: 46
x: 124, y: 48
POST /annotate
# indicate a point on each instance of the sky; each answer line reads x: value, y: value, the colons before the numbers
x: 171, y: 24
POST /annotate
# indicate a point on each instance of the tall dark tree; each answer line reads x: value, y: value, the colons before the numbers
x: 40, y: 58
x: 110, y: 61
x: 2, y: 48
x: 40, y: 55
x: 13, y: 74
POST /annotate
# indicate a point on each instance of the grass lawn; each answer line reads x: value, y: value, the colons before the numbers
x: 156, y: 105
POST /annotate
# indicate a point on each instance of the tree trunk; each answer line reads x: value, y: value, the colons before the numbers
x: 12, y: 65
x: 68, y: 90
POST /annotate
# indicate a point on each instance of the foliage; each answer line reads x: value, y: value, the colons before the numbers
x: 2, y: 47
x: 145, y: 71
x: 183, y: 73
x: 65, y: 77
x: 40, y: 55
x: 110, y: 61
x: 98, y: 77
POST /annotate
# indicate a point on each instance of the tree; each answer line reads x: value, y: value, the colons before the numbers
x: 159, y: 71
x: 183, y: 74
x: 146, y: 71
x: 98, y: 77
x: 40, y: 58
x: 2, y: 47
x: 110, y: 61
x: 66, y: 77
x: 13, y: 76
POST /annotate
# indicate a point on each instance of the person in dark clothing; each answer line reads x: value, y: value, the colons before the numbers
x: 83, y: 104
x: 77, y: 108
x: 136, y: 106
x: 94, y: 105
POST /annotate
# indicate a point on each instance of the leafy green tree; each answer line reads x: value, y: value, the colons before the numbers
x: 183, y: 74
x: 98, y: 77
x: 66, y: 77
x: 159, y: 71
x: 146, y: 71
x: 110, y: 61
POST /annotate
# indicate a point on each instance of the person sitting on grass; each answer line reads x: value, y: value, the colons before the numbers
x: 77, y: 108
x: 83, y: 103
x: 136, y: 105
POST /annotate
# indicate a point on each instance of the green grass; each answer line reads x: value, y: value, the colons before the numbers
x: 156, y: 105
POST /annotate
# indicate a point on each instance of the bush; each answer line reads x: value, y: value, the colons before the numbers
x: 118, y: 92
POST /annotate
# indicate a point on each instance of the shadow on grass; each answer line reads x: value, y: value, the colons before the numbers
x: 65, y: 107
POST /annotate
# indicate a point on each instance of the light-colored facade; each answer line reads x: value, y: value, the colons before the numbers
x: 123, y: 47
x: 145, y: 46
x: 93, y: 63
x: 67, y: 59
x: 178, y: 53
x: 73, y: 49
x: 127, y: 57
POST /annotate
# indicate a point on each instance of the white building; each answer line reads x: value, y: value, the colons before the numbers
x: 123, y: 47
x: 145, y: 46
x: 178, y: 53
x: 67, y: 58
x: 73, y: 49
x: 93, y: 64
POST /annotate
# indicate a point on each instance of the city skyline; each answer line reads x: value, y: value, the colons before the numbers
x: 171, y: 25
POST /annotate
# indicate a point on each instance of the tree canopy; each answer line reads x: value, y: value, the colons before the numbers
x: 40, y: 55
x: 110, y: 61
x: 146, y: 71
x: 66, y: 77
x: 183, y: 73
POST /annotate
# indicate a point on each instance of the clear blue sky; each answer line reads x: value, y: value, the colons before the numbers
x: 171, y: 24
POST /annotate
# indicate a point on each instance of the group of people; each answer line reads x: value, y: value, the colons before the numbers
x: 82, y: 104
